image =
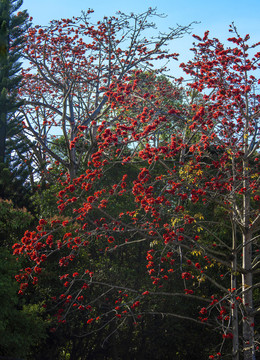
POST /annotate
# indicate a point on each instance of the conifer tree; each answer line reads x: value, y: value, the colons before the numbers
x: 13, y: 25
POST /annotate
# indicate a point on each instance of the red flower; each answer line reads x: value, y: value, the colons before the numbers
x: 135, y: 304
x: 111, y: 239
x: 42, y: 222
x: 186, y: 275
x: 37, y: 270
x: 188, y: 292
x: 242, y: 190
x: 145, y: 293
x: 71, y: 188
x: 203, y: 311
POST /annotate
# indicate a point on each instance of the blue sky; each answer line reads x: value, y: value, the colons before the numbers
x: 214, y: 16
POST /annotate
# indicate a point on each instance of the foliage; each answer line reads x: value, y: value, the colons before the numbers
x: 13, y: 221
x: 16, y: 321
x: 13, y: 145
x: 76, y: 70
x: 17, y: 318
x: 187, y: 204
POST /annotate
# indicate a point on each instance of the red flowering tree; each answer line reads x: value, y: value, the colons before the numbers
x: 79, y: 75
x: 193, y: 199
x: 229, y: 125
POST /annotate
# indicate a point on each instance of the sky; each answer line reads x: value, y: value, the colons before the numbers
x: 215, y: 16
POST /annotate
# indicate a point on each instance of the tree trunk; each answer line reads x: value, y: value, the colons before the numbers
x: 247, y: 277
x: 247, y: 282
x: 234, y: 310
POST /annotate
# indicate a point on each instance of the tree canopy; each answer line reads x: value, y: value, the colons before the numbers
x: 169, y: 185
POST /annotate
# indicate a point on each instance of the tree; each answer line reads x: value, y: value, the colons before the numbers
x: 235, y: 104
x: 74, y: 66
x: 12, y: 29
x: 17, y: 318
x: 193, y: 201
